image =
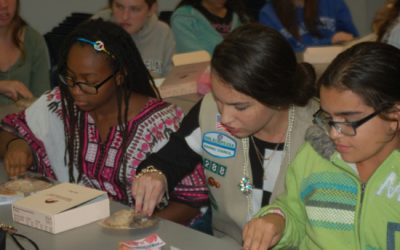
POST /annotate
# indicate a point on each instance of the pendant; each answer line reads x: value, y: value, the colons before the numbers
x: 245, y: 185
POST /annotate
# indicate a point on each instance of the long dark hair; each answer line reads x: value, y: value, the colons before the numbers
x: 376, y: 83
x: 385, y: 18
x: 286, y: 12
x: 125, y: 60
x: 236, y: 6
x: 265, y: 69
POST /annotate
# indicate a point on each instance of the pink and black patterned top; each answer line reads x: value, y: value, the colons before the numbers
x: 41, y: 126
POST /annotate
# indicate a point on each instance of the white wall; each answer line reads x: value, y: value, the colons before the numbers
x: 43, y: 15
x: 363, y: 12
x: 167, y: 4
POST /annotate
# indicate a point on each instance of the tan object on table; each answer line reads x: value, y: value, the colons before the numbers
x: 128, y: 219
x: 182, y: 80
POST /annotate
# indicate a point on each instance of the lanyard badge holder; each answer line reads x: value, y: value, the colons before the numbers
x: 10, y: 230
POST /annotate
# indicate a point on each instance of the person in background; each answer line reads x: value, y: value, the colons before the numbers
x: 202, y: 24
x: 307, y: 23
x: 245, y: 132
x: 342, y: 187
x: 153, y: 38
x: 386, y: 24
x: 23, y: 53
x: 100, y: 123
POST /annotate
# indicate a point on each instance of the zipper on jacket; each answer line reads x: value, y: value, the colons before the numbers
x: 363, y: 186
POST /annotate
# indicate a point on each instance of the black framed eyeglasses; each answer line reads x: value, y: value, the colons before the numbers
x: 323, y: 120
x: 87, y: 88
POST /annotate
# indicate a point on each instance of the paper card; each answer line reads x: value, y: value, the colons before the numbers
x: 151, y: 242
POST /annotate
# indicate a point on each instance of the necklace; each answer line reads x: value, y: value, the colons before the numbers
x: 245, y: 184
x: 261, y: 157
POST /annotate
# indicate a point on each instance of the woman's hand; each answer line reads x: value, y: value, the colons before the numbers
x: 148, y: 190
x: 263, y: 232
x: 18, y: 157
x: 15, y: 89
x: 341, y: 37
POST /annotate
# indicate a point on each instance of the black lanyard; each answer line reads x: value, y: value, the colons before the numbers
x: 10, y: 230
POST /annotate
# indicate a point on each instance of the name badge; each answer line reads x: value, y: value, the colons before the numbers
x: 219, y: 145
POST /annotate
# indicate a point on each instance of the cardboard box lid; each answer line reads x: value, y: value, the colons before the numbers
x: 59, y: 198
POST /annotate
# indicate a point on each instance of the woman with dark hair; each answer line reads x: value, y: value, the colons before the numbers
x: 202, y: 24
x: 245, y: 132
x: 24, y: 58
x: 342, y: 187
x: 153, y: 38
x: 100, y: 123
x: 307, y: 23
x: 386, y: 24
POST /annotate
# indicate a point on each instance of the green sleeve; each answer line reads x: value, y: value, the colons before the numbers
x: 291, y: 204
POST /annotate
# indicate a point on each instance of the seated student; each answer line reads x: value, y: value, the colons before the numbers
x: 342, y: 187
x: 100, y: 123
x: 307, y: 23
x: 202, y: 24
x: 24, y: 56
x: 245, y: 132
x: 153, y: 38
x: 386, y: 24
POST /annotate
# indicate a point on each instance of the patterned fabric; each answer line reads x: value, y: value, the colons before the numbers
x: 330, y: 200
x: 147, y: 132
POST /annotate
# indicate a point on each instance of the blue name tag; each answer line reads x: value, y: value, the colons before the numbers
x: 219, y: 145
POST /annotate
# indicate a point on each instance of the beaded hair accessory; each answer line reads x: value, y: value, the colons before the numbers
x: 97, y: 45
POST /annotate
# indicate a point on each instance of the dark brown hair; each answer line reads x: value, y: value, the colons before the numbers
x: 265, y: 69
x: 125, y: 60
x: 376, y: 83
x: 286, y: 12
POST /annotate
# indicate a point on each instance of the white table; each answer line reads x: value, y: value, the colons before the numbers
x: 93, y: 236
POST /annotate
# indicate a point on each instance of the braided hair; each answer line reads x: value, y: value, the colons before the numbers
x: 124, y: 59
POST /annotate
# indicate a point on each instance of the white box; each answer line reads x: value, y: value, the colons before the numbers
x: 61, y: 207
x: 182, y: 80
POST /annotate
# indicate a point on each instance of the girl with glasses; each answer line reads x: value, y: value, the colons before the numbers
x: 102, y: 120
x: 343, y: 186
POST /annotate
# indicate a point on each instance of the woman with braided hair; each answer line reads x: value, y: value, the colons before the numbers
x: 102, y: 120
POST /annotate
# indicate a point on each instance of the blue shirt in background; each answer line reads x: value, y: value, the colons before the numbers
x: 334, y: 16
